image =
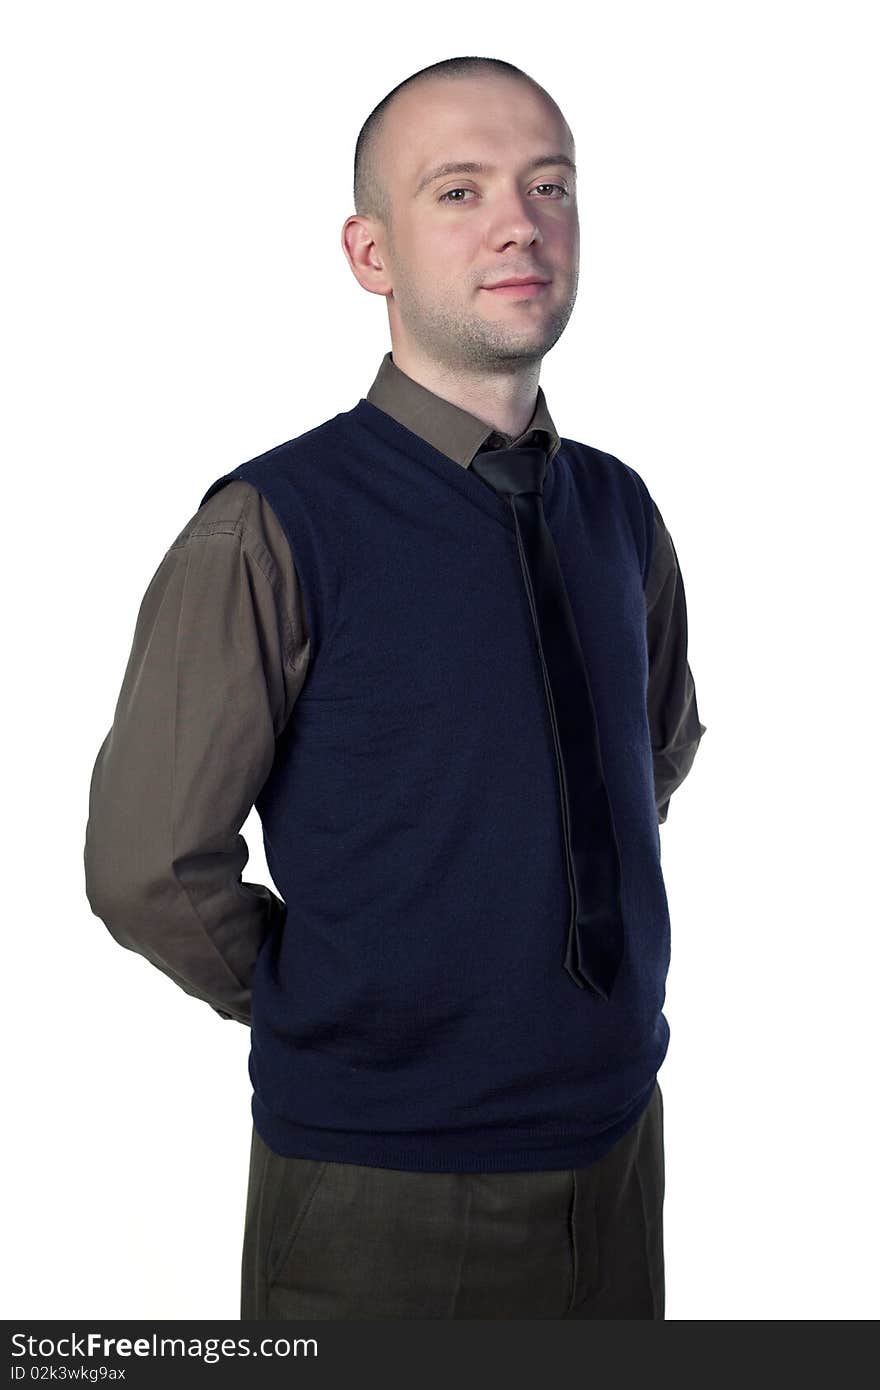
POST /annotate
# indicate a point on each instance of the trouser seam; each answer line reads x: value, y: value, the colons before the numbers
x: 572, y: 1221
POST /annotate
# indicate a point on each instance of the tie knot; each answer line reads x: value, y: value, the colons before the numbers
x: 511, y: 471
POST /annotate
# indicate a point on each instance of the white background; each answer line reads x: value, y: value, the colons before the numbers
x: 176, y: 301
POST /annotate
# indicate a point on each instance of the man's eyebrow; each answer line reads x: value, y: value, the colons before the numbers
x: 540, y: 161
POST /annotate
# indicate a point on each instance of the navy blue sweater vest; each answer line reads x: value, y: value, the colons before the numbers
x: 412, y: 1009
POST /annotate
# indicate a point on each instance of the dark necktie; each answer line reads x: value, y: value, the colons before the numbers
x: 595, y: 936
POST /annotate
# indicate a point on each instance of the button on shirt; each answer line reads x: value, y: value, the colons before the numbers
x: 219, y: 656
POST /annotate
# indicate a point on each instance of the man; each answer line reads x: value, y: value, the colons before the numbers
x: 461, y: 705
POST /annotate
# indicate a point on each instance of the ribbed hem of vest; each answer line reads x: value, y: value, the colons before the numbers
x: 499, y: 1152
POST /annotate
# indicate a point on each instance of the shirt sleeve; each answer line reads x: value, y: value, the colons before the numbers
x: 219, y: 654
x: 674, y: 720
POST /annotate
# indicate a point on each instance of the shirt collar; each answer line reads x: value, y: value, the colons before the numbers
x: 449, y: 428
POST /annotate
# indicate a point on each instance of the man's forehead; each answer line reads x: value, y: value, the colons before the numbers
x: 432, y: 129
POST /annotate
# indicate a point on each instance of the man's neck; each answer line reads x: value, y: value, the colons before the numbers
x: 506, y: 401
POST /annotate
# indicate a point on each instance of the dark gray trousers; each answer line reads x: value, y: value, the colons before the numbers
x: 347, y: 1241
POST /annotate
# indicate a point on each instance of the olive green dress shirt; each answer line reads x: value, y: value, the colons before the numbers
x: 219, y: 655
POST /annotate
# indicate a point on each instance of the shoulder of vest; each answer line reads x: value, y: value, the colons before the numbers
x: 631, y: 486
x: 300, y: 450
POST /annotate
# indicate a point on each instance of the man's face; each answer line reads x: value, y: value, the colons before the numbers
x: 456, y: 234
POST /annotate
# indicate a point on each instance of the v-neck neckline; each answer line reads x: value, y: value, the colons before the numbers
x: 462, y: 479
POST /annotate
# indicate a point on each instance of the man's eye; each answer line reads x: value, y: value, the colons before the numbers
x: 447, y: 195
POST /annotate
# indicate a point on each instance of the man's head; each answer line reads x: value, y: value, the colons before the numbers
x: 432, y: 242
